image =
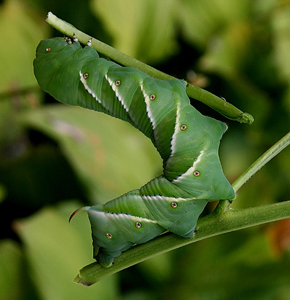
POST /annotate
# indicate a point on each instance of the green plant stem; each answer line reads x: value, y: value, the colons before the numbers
x: 256, y: 166
x: 261, y: 161
x: 222, y: 220
x: 220, y: 105
x: 212, y: 225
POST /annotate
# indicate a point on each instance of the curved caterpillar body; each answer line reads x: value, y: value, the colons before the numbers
x: 186, y: 140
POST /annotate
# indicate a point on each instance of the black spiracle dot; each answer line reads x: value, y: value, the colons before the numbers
x: 138, y: 224
x: 183, y: 127
x: 152, y: 97
x: 109, y: 235
x: 86, y: 75
x: 117, y: 82
x: 196, y: 173
x: 174, y: 204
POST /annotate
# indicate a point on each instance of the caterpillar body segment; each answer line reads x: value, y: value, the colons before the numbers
x: 186, y: 140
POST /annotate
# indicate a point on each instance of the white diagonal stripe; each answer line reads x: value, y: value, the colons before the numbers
x: 176, y: 131
x: 191, y: 169
x: 160, y: 197
x: 148, y: 110
x: 83, y: 81
x: 115, y: 89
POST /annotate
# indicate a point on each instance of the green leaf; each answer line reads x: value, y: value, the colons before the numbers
x: 99, y: 148
x: 281, y: 42
x: 142, y: 29
x: 228, y: 50
x: 54, y: 249
x: 11, y: 267
x: 281, y: 36
x: 21, y: 31
x: 203, y: 21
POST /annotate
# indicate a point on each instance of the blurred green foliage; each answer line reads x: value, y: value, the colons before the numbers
x: 54, y: 158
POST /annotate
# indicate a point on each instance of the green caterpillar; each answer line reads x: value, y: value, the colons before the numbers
x: 187, y: 141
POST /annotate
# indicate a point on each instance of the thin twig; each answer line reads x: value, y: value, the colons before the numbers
x: 215, y: 102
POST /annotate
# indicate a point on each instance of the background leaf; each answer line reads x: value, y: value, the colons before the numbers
x: 52, y: 272
x: 88, y: 140
x: 21, y: 30
x: 51, y: 154
x: 152, y: 36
